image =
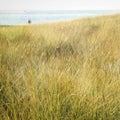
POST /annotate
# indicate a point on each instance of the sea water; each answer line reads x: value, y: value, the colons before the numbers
x: 22, y: 17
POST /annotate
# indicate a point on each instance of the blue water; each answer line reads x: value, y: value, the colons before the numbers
x: 22, y: 17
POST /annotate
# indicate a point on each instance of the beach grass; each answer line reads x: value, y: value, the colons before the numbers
x: 61, y: 71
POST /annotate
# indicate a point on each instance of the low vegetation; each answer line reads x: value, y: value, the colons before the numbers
x: 61, y: 71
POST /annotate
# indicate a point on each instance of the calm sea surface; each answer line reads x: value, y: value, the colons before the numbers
x: 22, y: 17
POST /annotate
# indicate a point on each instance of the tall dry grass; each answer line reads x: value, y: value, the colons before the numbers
x: 61, y: 71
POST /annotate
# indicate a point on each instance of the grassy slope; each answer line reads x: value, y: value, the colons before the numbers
x: 61, y: 71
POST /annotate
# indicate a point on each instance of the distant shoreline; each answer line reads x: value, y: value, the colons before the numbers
x: 57, y: 21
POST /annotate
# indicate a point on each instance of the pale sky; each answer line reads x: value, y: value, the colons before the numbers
x: 59, y: 4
